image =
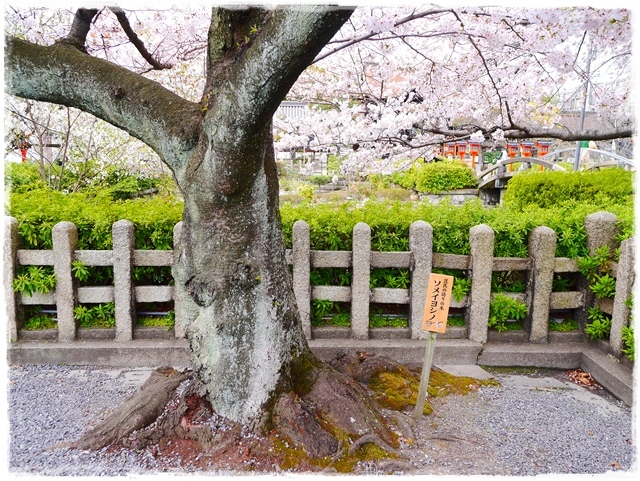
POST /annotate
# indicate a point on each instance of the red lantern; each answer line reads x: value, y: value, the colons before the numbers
x: 462, y: 149
x: 527, y: 149
x: 474, y: 150
x: 543, y: 147
x: 512, y: 151
x: 450, y: 149
x: 23, y: 154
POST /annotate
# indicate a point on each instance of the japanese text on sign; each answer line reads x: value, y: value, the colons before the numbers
x: 436, y: 308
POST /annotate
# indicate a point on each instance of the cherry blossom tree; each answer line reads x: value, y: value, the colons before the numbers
x: 397, y: 82
x: 201, y: 91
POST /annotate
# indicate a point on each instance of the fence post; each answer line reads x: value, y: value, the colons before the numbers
x: 123, y: 290
x: 65, y: 242
x: 11, y: 245
x: 601, y: 229
x: 360, y: 290
x: 421, y: 247
x: 301, y: 254
x: 624, y: 288
x: 542, y: 251
x: 481, y: 238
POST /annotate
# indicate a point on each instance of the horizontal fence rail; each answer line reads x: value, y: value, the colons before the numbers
x: 479, y: 266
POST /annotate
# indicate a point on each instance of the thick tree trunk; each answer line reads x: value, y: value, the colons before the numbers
x: 244, y: 332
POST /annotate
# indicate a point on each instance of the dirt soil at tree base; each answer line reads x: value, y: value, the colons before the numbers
x: 447, y: 442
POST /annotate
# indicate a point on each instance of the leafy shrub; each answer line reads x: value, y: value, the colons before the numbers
x: 39, y: 322
x: 604, y: 287
x: 551, y: 188
x: 30, y: 279
x: 564, y: 326
x: 596, y: 270
x: 629, y: 345
x: 436, y: 177
x: 508, y: 281
x: 503, y: 308
x: 600, y: 325
x: 99, y: 315
x: 319, y: 179
x: 22, y: 177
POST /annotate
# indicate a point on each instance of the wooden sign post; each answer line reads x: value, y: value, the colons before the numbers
x: 436, y: 311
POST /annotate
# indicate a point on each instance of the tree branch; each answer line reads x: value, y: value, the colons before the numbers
x: 368, y: 36
x: 135, y: 40
x: 519, y: 132
x: 80, y: 27
x: 64, y: 75
x: 287, y: 42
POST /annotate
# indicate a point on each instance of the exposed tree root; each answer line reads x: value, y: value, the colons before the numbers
x: 137, y: 412
x: 320, y: 425
x: 371, y: 438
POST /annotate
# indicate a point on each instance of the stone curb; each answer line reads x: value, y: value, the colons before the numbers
x: 605, y: 369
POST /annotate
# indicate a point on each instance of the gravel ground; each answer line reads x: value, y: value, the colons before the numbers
x: 512, y: 430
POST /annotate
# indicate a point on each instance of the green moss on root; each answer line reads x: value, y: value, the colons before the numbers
x: 398, y: 390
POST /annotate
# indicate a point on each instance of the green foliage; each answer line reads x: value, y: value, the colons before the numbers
x: 600, y: 325
x: 22, y: 177
x: 80, y: 271
x: 461, y: 284
x: 629, y: 343
x: 97, y: 316
x: 319, y: 179
x: 330, y: 277
x: 377, y: 319
x: 331, y: 225
x: 561, y: 283
x: 436, y: 177
x: 30, y: 279
x: 503, y: 308
x: 390, y: 278
x: 627, y: 332
x: 457, y: 321
x: 564, y: 326
x: 37, y: 320
x: 320, y: 308
x: 168, y: 320
x: 307, y: 192
x: 596, y: 270
x: 340, y: 319
x: 460, y: 289
x: 334, y: 162
x: 379, y: 181
x: 551, y: 188
x: 604, y: 286
x: 507, y: 281
x: 491, y: 156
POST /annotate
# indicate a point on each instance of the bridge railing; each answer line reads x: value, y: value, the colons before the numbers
x: 420, y: 260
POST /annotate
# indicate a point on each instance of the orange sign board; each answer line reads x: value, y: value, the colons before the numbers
x: 436, y: 308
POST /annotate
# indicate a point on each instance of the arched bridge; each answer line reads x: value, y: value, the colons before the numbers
x: 497, y: 176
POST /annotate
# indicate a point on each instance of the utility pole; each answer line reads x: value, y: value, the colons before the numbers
x: 585, y: 93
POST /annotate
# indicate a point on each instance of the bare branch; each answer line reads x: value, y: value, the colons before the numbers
x: 135, y: 40
x: 370, y: 35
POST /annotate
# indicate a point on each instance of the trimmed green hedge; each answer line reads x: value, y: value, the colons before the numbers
x: 331, y: 225
x: 38, y: 210
x: 551, y: 188
x: 436, y: 177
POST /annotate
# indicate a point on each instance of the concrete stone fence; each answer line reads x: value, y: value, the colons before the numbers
x: 540, y: 267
